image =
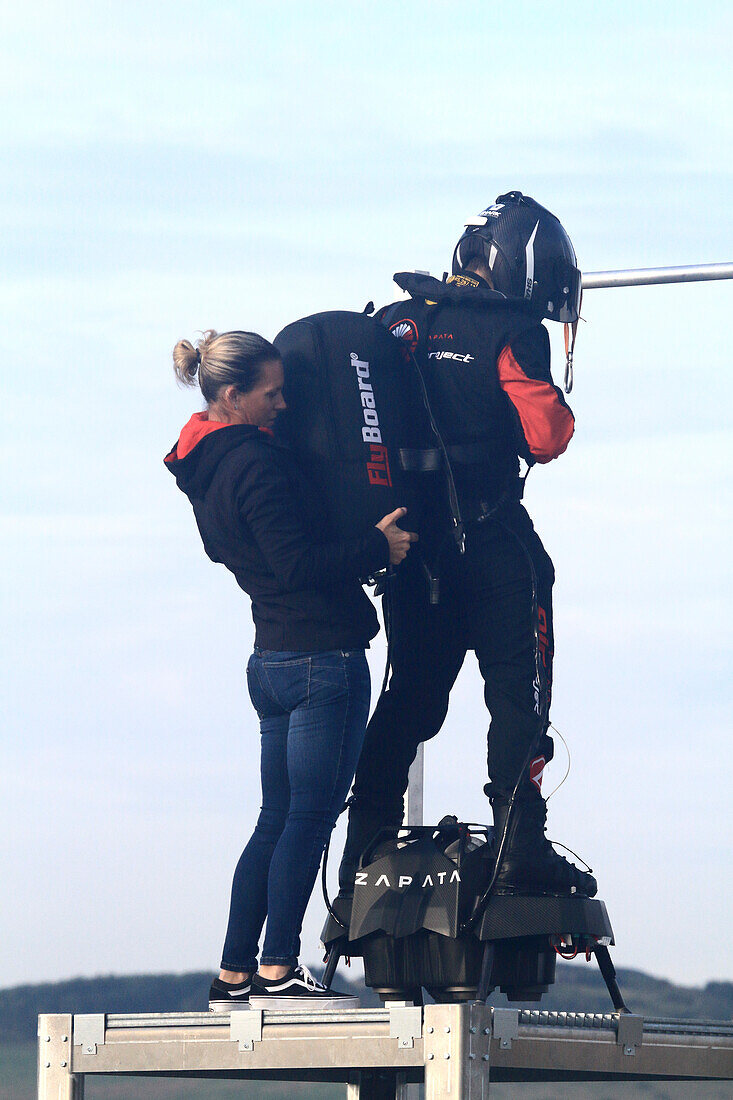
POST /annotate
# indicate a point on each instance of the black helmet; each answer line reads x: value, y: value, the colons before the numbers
x: 528, y: 253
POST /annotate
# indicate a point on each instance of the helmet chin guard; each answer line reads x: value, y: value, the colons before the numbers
x: 527, y: 252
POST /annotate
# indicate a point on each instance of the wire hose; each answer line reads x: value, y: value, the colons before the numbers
x: 387, y: 616
x: 324, y: 884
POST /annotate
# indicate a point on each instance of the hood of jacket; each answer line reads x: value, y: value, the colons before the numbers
x: 200, y: 448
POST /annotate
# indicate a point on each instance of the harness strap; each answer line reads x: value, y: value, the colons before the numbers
x: 467, y: 453
x: 426, y: 459
x: 423, y: 460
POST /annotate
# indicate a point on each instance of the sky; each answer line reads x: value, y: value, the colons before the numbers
x: 168, y: 168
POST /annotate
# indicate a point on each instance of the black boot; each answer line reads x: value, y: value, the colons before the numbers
x: 530, y: 863
x: 364, y: 824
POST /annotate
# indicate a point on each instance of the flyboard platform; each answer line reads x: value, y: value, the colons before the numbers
x: 421, y: 919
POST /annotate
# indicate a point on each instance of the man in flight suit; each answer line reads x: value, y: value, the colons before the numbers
x: 484, y: 354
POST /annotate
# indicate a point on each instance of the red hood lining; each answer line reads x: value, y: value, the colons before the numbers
x: 194, y: 431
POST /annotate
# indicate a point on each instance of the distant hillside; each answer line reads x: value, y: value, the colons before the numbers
x: 579, y: 988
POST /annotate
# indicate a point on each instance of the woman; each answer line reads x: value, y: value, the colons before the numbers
x: 308, y: 677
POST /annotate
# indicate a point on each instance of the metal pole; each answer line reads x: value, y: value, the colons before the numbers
x: 646, y: 276
x: 415, y: 787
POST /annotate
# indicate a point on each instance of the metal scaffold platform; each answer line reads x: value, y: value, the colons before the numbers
x: 437, y: 1051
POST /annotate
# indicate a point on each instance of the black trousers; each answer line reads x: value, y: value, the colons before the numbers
x: 496, y: 599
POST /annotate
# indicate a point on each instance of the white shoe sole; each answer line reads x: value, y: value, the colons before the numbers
x: 305, y: 1003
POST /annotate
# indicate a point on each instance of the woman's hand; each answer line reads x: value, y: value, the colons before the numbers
x: 399, y: 540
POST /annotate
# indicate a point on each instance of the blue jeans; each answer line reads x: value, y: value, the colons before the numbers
x: 313, y: 710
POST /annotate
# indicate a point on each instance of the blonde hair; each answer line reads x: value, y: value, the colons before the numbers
x: 222, y: 359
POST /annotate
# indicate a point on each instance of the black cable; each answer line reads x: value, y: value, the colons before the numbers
x: 387, y: 616
x: 458, y: 527
x: 324, y: 884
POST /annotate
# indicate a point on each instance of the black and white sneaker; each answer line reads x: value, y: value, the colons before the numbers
x: 225, y: 996
x: 298, y: 991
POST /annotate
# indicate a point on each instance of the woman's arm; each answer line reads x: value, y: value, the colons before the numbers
x: 267, y: 504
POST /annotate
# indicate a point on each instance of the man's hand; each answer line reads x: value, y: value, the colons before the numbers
x: 399, y: 540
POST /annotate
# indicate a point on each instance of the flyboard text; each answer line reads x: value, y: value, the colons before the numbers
x: 378, y: 465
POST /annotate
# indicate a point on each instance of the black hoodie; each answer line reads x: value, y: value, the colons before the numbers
x: 257, y: 517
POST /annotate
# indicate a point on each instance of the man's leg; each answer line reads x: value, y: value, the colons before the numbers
x: 512, y: 578
x: 428, y: 649
x: 509, y: 578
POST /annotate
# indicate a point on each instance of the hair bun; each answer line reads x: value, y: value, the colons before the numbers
x: 186, y: 362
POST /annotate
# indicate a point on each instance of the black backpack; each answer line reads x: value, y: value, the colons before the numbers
x: 358, y: 418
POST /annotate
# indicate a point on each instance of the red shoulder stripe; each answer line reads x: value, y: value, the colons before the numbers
x: 547, y: 423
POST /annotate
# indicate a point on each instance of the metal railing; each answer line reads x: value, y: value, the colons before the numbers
x: 450, y: 1051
